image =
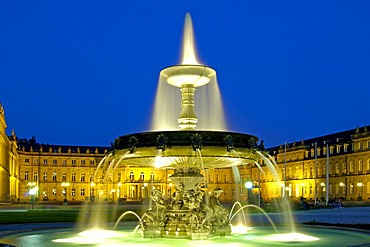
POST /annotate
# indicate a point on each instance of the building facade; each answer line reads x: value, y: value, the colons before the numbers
x: 9, y: 166
x: 335, y: 165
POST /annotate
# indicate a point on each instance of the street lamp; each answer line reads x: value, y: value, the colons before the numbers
x: 248, y: 185
x: 360, y: 186
x: 92, y: 196
x: 64, y: 192
x: 119, y: 190
x: 33, y: 192
x: 112, y: 191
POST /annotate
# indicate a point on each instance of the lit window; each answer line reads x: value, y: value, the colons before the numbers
x: 54, y: 176
x: 45, y: 176
x: 360, y: 166
x: 45, y: 161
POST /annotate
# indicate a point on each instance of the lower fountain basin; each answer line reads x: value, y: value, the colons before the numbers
x: 256, y: 236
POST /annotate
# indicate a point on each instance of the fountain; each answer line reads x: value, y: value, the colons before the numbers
x: 189, y: 153
x: 193, y: 211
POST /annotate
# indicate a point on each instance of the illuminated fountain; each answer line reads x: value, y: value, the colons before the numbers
x: 189, y: 153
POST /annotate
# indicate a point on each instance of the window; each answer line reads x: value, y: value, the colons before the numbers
x: 331, y: 149
x: 83, y: 162
x: 338, y: 149
x: 73, y: 162
x: 142, y: 176
x: 92, y: 162
x: 337, y: 168
x: 54, y: 192
x: 132, y: 176
x: 54, y: 176
x: 351, y: 188
x: 55, y: 162
x: 82, y: 177
x: 360, y: 146
x: 312, y: 153
x: 35, y: 162
x: 324, y: 151
x: 360, y: 166
x: 45, y: 176
x: 344, y: 167
x: 119, y: 177
x: 45, y: 161
x: 73, y: 193
x: 350, y: 166
x: 152, y: 174
x: 26, y: 175
x: 73, y: 177
x: 368, y: 165
x: 368, y: 144
x: 82, y: 193
x: 64, y: 176
x: 64, y: 162
x: 35, y: 176
x: 345, y: 147
x: 26, y: 160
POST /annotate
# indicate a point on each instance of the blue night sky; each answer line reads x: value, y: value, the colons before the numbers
x: 86, y: 72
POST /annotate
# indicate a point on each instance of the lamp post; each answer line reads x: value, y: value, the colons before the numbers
x: 323, y: 187
x: 92, y: 196
x: 248, y: 185
x: 65, y: 185
x: 32, y: 191
x: 113, y: 191
x: 119, y: 190
x: 341, y: 184
x: 360, y: 187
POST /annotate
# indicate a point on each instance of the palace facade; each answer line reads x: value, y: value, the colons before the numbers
x: 335, y: 165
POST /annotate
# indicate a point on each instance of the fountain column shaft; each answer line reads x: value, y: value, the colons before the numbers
x: 187, y: 119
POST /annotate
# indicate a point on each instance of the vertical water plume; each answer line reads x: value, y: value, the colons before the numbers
x: 207, y: 102
x: 188, y: 42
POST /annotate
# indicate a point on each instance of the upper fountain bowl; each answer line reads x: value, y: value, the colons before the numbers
x: 188, y: 74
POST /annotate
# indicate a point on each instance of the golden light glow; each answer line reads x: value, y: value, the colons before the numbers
x: 240, y: 229
x: 290, y: 237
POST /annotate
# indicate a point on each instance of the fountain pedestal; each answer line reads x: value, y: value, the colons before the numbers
x: 186, y: 215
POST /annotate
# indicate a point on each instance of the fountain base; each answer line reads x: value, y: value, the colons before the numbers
x: 186, y: 215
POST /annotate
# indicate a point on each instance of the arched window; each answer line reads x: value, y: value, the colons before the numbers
x: 142, y: 176
x: 132, y: 176
x: 152, y: 175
